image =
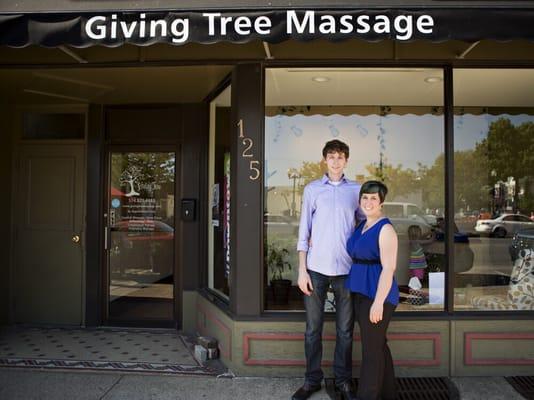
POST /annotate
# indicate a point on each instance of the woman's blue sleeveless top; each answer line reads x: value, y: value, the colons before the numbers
x: 363, y: 278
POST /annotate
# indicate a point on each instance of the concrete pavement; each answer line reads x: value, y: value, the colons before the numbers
x: 28, y: 384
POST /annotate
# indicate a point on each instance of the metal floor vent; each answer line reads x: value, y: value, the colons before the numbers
x: 524, y: 385
x: 413, y: 389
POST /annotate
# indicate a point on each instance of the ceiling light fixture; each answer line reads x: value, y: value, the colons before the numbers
x: 433, y: 79
x: 320, y: 79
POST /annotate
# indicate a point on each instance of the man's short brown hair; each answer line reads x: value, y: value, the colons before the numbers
x: 336, y: 146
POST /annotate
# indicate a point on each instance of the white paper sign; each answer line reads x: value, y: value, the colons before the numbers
x: 415, y: 283
x: 436, y: 287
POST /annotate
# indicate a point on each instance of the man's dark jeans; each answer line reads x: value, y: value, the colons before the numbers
x: 313, y: 345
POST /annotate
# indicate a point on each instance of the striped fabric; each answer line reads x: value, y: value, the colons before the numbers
x: 417, y: 257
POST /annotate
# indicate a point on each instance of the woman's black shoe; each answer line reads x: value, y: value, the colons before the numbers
x: 305, y: 391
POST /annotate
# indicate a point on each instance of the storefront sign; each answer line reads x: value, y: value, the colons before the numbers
x: 144, y: 28
x: 400, y: 27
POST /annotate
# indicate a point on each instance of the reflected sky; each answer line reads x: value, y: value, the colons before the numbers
x: 403, y: 139
x: 470, y: 129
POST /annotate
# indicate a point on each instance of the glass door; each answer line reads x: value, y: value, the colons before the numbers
x: 140, y: 237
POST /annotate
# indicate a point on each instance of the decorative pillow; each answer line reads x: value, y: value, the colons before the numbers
x: 520, y: 291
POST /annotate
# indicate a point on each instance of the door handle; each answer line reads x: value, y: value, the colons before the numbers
x: 75, y: 238
x: 106, y: 238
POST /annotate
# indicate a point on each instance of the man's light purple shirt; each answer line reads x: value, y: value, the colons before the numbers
x: 328, y: 216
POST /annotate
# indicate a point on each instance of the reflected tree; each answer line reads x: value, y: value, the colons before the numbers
x: 310, y: 171
x: 400, y: 181
x: 509, y: 150
x: 151, y: 168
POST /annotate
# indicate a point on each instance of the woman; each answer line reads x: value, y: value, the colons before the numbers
x: 373, y: 248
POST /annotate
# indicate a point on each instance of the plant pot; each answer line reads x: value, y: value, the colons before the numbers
x: 281, y: 289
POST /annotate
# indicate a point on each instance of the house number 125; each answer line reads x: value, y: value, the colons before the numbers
x: 254, y: 165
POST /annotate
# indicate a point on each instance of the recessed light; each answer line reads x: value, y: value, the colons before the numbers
x: 320, y: 79
x: 433, y: 79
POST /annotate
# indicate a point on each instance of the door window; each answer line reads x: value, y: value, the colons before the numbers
x: 141, y: 239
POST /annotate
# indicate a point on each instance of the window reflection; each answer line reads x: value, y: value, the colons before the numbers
x: 141, y: 243
x: 400, y: 144
x: 219, y: 190
x: 494, y: 187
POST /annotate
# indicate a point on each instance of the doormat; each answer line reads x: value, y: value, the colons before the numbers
x: 411, y: 389
x: 102, y: 349
x: 524, y: 385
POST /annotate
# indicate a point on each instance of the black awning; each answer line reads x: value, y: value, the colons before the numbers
x: 145, y: 28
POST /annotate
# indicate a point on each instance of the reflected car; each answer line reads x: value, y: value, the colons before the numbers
x: 504, y: 225
x: 434, y: 249
x: 142, y: 249
x: 431, y: 219
x: 524, y: 239
x: 281, y: 225
x: 463, y: 254
x: 405, y: 215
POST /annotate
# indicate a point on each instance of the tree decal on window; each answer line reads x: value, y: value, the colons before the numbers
x: 130, y: 177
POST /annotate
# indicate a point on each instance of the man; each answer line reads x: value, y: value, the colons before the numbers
x: 329, y: 210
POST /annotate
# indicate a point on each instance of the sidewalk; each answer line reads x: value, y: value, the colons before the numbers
x: 28, y: 384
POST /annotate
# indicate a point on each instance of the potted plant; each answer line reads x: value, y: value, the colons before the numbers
x: 277, y: 264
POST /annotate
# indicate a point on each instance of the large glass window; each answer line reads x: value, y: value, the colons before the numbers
x: 219, y: 192
x: 392, y: 119
x: 494, y: 188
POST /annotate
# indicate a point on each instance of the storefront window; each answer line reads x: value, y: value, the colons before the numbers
x: 494, y: 188
x: 219, y: 192
x: 392, y: 120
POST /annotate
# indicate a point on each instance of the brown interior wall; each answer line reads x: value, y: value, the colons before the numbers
x: 144, y: 124
x: 6, y: 133
x: 194, y: 184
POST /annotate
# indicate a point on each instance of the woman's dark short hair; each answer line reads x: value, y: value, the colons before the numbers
x: 336, y: 146
x: 374, y: 187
